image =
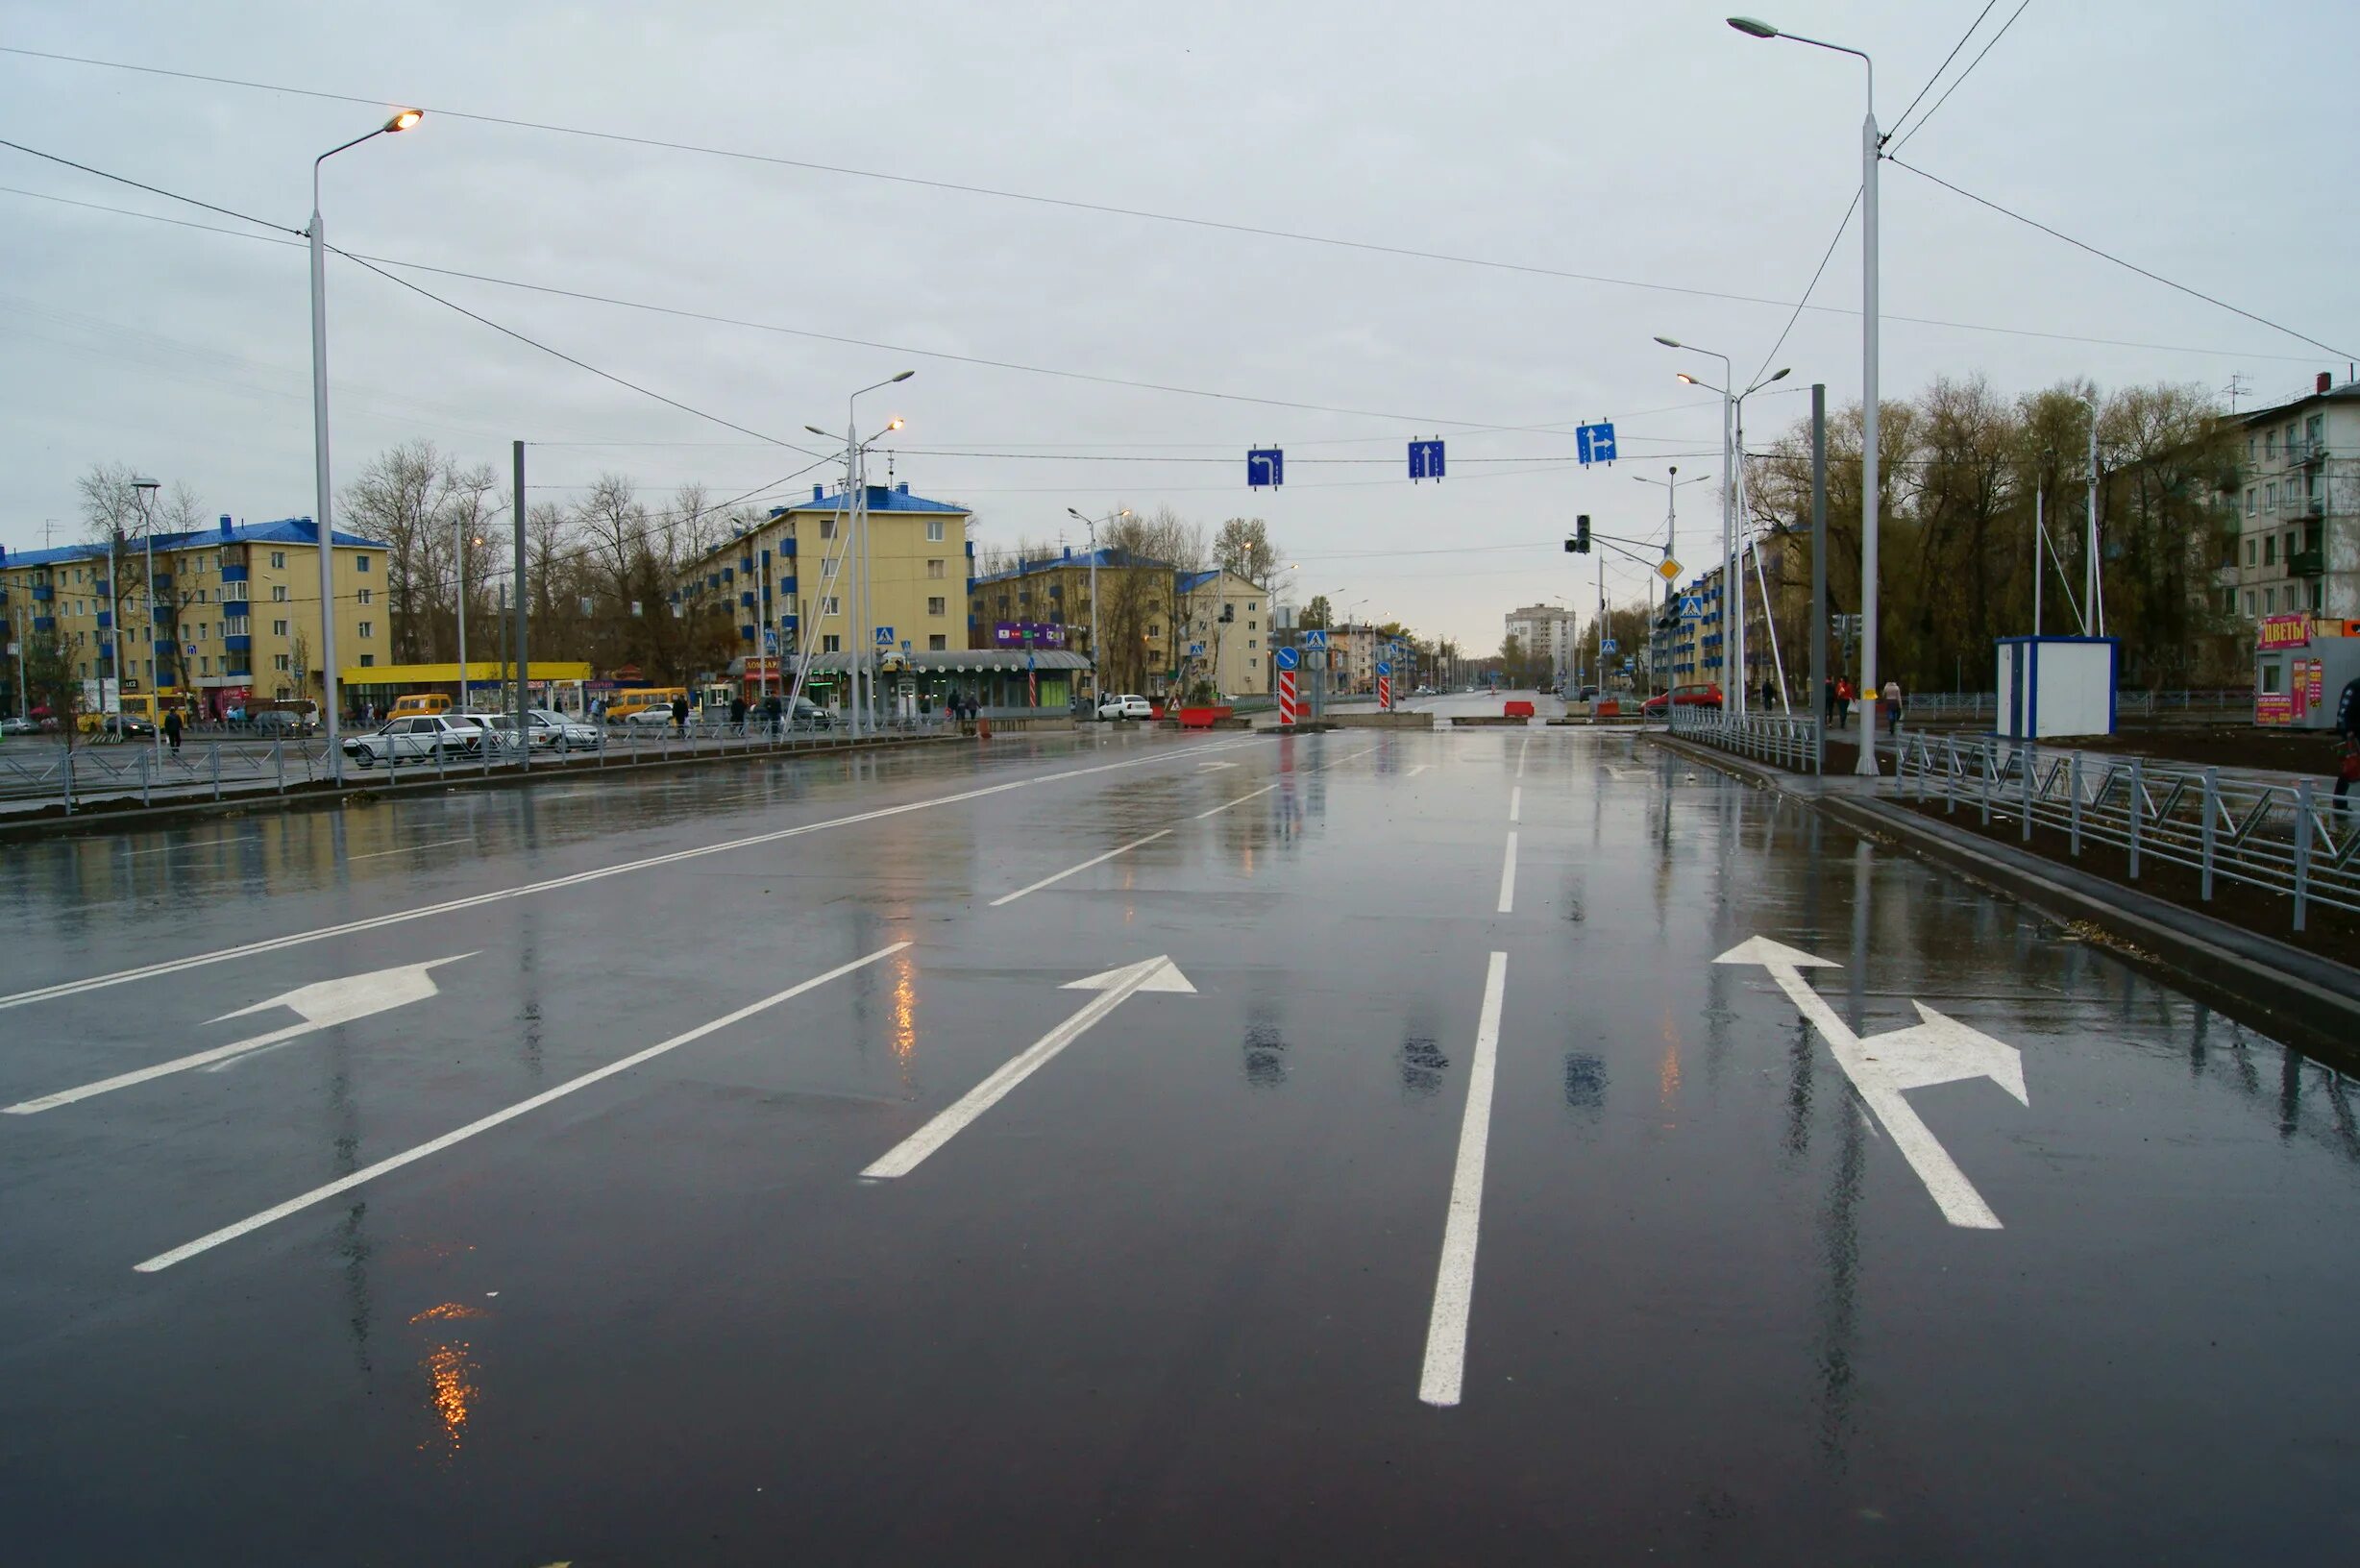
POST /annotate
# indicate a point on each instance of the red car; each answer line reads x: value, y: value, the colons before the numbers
x: 1707, y: 696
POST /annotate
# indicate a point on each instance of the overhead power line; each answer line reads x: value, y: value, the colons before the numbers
x: 1816, y: 273
x: 2131, y: 267
x: 1141, y: 213
x: 1903, y: 116
x: 1963, y: 75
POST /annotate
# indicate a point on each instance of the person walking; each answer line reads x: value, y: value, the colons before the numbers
x: 737, y: 715
x: 679, y: 717
x: 172, y: 730
x: 1892, y: 705
x: 1769, y: 693
x: 1827, y: 699
x: 2348, y: 730
x: 1843, y: 702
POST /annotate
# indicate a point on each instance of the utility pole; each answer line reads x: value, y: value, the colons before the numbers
x: 524, y: 670
x: 1819, y: 574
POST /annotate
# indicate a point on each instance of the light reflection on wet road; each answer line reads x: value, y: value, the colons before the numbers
x: 1168, y: 1298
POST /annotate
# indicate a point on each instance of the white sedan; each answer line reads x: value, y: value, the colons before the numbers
x: 1129, y: 707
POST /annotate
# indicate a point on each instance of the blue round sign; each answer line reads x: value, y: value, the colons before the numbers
x: 1288, y: 658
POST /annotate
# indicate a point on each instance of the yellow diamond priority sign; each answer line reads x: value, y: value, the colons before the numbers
x: 1669, y: 571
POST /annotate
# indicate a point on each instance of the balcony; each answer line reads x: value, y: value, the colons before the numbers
x: 786, y: 587
x: 234, y: 609
x: 237, y: 643
x: 44, y: 622
x: 2306, y: 451
x: 745, y: 602
x: 2306, y: 563
x: 44, y: 593
x: 232, y: 574
x: 106, y: 618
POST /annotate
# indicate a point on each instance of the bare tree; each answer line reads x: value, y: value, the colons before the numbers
x: 396, y: 501
x: 1242, y: 546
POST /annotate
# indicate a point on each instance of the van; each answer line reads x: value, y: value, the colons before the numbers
x: 419, y: 705
x: 639, y: 698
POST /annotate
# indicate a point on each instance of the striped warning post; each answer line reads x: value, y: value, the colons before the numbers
x: 1290, y: 712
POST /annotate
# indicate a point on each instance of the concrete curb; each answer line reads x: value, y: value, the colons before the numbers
x: 315, y: 797
x: 2298, y: 996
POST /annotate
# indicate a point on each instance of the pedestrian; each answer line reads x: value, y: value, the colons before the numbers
x: 1892, y: 705
x: 737, y: 715
x: 1826, y: 698
x: 172, y: 730
x: 1769, y: 693
x: 772, y: 709
x: 1843, y: 702
x: 679, y: 717
x: 2348, y: 728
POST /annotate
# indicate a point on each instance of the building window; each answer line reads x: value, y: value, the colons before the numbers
x: 934, y: 531
x: 829, y: 644
x: 278, y: 628
x: 280, y: 661
x: 368, y: 629
x: 2249, y: 450
x: 2269, y: 601
x: 360, y: 563
x: 2250, y: 494
x: 231, y: 593
x: 205, y: 662
x: 368, y: 661
x: 277, y: 560
x: 2317, y: 597
x: 937, y: 643
x: 942, y: 606
x: 2270, y: 445
x: 934, y: 569
x: 2252, y: 551
x: 278, y: 592
x: 828, y: 524
x: 828, y: 605
x: 1157, y: 630
x: 362, y: 595
x: 2269, y: 546
x: 2248, y: 602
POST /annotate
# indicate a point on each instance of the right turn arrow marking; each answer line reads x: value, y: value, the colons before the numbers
x: 1936, y: 1049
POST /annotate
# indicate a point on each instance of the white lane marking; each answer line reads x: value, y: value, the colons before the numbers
x: 1937, y: 1049
x: 1515, y: 804
x: 99, y: 981
x: 409, y: 848
x: 1094, y: 860
x: 1213, y: 767
x: 1520, y: 750
x: 321, y: 1006
x: 1419, y: 769
x: 1115, y: 988
x: 1454, y: 1280
x: 1238, y: 801
x: 484, y: 1124
x: 1507, y: 876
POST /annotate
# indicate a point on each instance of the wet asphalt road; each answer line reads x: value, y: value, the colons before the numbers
x: 1173, y: 1296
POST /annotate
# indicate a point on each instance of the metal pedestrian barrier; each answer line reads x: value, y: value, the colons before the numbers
x: 1790, y: 740
x: 38, y: 772
x: 2289, y: 837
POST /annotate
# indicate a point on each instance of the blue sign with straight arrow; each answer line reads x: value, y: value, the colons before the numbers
x: 1594, y: 443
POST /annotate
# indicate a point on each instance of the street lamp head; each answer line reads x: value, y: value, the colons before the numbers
x: 903, y: 377
x: 1753, y: 29
x: 816, y: 430
x: 1075, y: 511
x: 143, y: 482
x: 405, y: 119
x: 1782, y: 374
x: 894, y: 423
x: 1668, y: 342
x: 1686, y: 380
x: 1126, y: 512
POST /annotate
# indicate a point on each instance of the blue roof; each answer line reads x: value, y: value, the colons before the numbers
x: 287, y: 531
x: 881, y: 499
x: 1107, y: 556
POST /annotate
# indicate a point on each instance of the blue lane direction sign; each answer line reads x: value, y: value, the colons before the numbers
x: 1384, y: 666
x: 884, y: 636
x: 1594, y: 444
x: 1266, y: 465
x: 1425, y: 459
x: 1288, y: 658
x: 1315, y: 638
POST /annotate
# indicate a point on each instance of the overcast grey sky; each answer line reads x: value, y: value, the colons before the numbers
x: 1642, y: 141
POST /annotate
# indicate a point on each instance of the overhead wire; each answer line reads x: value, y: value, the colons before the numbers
x: 1962, y: 76
x: 1946, y: 64
x: 1063, y: 202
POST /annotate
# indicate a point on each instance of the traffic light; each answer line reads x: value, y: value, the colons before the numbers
x: 1578, y: 544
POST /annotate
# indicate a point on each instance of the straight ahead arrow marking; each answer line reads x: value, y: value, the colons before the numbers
x: 1937, y: 1049
x: 321, y: 1006
x: 1113, y: 988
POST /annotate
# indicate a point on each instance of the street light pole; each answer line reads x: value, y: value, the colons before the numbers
x: 459, y: 526
x: 324, y: 518
x: 1732, y: 695
x: 146, y: 489
x: 1872, y: 149
x: 1098, y: 683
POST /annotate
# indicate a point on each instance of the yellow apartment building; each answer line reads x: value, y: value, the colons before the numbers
x: 1228, y: 617
x: 237, y: 612
x: 1140, y: 614
x: 793, y: 576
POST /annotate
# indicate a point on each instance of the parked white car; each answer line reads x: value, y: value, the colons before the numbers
x: 1128, y: 706
x: 416, y: 739
x: 571, y: 734
x: 499, y: 730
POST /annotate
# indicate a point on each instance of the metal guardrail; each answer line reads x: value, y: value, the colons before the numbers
x: 1788, y: 740
x: 2283, y: 838
x: 1986, y: 704
x: 38, y: 772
